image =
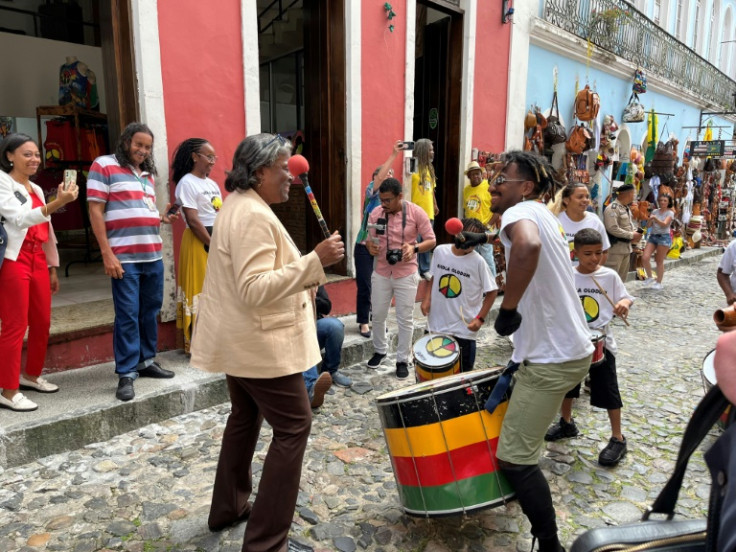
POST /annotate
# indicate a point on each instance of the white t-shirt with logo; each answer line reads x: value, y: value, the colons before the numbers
x: 553, y: 328
x: 459, y: 284
x: 728, y: 263
x: 197, y: 193
x: 590, y: 220
x: 598, y: 311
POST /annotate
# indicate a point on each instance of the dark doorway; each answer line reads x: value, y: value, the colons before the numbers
x: 437, y: 92
x: 302, y: 75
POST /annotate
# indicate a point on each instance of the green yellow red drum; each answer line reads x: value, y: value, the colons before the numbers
x: 442, y: 444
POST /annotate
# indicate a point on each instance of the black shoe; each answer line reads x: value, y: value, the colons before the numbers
x: 402, y: 370
x: 296, y: 546
x: 224, y: 525
x: 613, y: 453
x: 376, y: 360
x: 125, y: 390
x: 155, y: 371
x: 562, y: 430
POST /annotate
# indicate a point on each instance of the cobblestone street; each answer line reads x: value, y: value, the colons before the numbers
x: 150, y: 489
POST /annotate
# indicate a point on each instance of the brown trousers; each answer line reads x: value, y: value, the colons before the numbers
x: 284, y: 404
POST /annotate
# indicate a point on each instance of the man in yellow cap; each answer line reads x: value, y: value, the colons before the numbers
x: 477, y: 205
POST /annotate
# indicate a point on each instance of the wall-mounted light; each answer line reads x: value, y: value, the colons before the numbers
x: 506, y: 11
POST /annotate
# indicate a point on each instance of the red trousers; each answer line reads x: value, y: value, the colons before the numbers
x: 25, y: 302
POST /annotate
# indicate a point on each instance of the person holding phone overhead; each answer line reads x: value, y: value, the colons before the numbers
x: 200, y: 199
x: 28, y: 271
x: 363, y: 258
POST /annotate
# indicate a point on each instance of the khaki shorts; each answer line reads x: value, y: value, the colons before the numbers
x: 535, y: 402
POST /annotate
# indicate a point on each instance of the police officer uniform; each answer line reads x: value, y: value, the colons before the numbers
x: 621, y: 229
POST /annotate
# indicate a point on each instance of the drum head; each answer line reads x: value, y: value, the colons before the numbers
x: 709, y: 369
x: 438, y: 386
x: 436, y: 351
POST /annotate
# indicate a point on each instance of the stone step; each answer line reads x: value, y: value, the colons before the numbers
x: 86, y: 411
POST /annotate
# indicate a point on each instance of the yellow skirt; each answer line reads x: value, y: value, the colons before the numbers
x: 192, y: 267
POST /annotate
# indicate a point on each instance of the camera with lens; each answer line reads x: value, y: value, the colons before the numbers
x: 393, y: 256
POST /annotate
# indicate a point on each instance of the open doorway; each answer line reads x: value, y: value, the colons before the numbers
x: 302, y: 89
x: 73, y: 65
x: 437, y: 95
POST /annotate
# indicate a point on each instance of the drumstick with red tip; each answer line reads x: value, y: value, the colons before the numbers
x: 454, y: 226
x: 299, y: 166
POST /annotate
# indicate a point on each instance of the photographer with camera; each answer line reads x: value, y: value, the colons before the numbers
x: 393, y: 229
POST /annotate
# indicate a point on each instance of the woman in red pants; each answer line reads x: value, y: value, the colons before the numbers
x: 28, y: 273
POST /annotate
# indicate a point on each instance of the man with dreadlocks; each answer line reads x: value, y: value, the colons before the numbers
x: 552, y: 346
x: 121, y: 196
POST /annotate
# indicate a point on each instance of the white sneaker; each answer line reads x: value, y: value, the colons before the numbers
x: 18, y: 403
x: 41, y: 385
x: 656, y: 286
x: 649, y: 281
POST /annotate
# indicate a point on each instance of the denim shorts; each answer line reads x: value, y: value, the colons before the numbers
x: 660, y: 239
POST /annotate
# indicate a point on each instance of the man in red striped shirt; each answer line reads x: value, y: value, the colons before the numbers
x: 125, y: 220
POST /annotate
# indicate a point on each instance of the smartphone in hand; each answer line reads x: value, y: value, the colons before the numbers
x: 407, y: 145
x: 70, y: 177
x: 174, y: 209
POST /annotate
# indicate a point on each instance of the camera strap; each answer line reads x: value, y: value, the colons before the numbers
x: 403, y: 226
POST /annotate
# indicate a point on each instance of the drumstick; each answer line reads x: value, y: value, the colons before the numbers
x: 462, y: 317
x: 603, y: 291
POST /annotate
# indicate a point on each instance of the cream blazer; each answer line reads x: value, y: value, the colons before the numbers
x: 256, y: 315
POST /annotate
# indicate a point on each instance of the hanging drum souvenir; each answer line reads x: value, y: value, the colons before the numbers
x: 436, y: 356
x: 442, y: 444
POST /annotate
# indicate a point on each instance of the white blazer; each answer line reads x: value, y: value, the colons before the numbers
x: 19, y: 217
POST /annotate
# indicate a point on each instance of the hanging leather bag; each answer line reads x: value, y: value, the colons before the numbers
x: 587, y: 104
x: 579, y: 140
x: 634, y: 111
x: 555, y: 133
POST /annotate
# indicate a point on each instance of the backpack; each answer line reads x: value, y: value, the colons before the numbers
x: 555, y: 133
x: 579, y: 139
x: 587, y: 104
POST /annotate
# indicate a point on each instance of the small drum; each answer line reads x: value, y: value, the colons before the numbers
x: 709, y: 380
x: 436, y: 356
x: 599, y: 341
x: 442, y: 444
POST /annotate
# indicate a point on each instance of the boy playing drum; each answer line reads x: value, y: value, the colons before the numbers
x: 603, y: 295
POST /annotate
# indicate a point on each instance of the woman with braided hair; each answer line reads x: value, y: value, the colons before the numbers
x: 551, y: 358
x: 200, y: 198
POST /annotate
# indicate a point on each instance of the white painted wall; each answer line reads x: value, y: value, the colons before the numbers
x: 470, y: 24
x: 524, y: 14
x: 147, y: 53
x: 251, y: 71
x: 31, y: 76
x: 354, y: 125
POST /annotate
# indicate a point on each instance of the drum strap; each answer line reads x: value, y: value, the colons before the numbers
x: 502, y: 386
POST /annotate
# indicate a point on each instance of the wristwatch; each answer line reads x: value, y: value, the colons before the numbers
x: 416, y: 250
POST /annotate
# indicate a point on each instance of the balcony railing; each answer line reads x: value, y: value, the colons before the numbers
x: 618, y: 27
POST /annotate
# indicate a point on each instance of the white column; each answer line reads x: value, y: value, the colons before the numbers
x: 251, y: 69
x: 147, y: 53
x: 518, y: 65
x: 470, y: 27
x: 410, y: 68
x: 354, y: 125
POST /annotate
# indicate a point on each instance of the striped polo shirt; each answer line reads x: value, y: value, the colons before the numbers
x: 132, y: 227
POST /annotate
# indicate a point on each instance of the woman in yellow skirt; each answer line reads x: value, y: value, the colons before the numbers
x: 200, y: 199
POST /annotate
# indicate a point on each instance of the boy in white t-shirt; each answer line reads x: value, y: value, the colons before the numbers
x: 460, y: 281
x: 593, y: 283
